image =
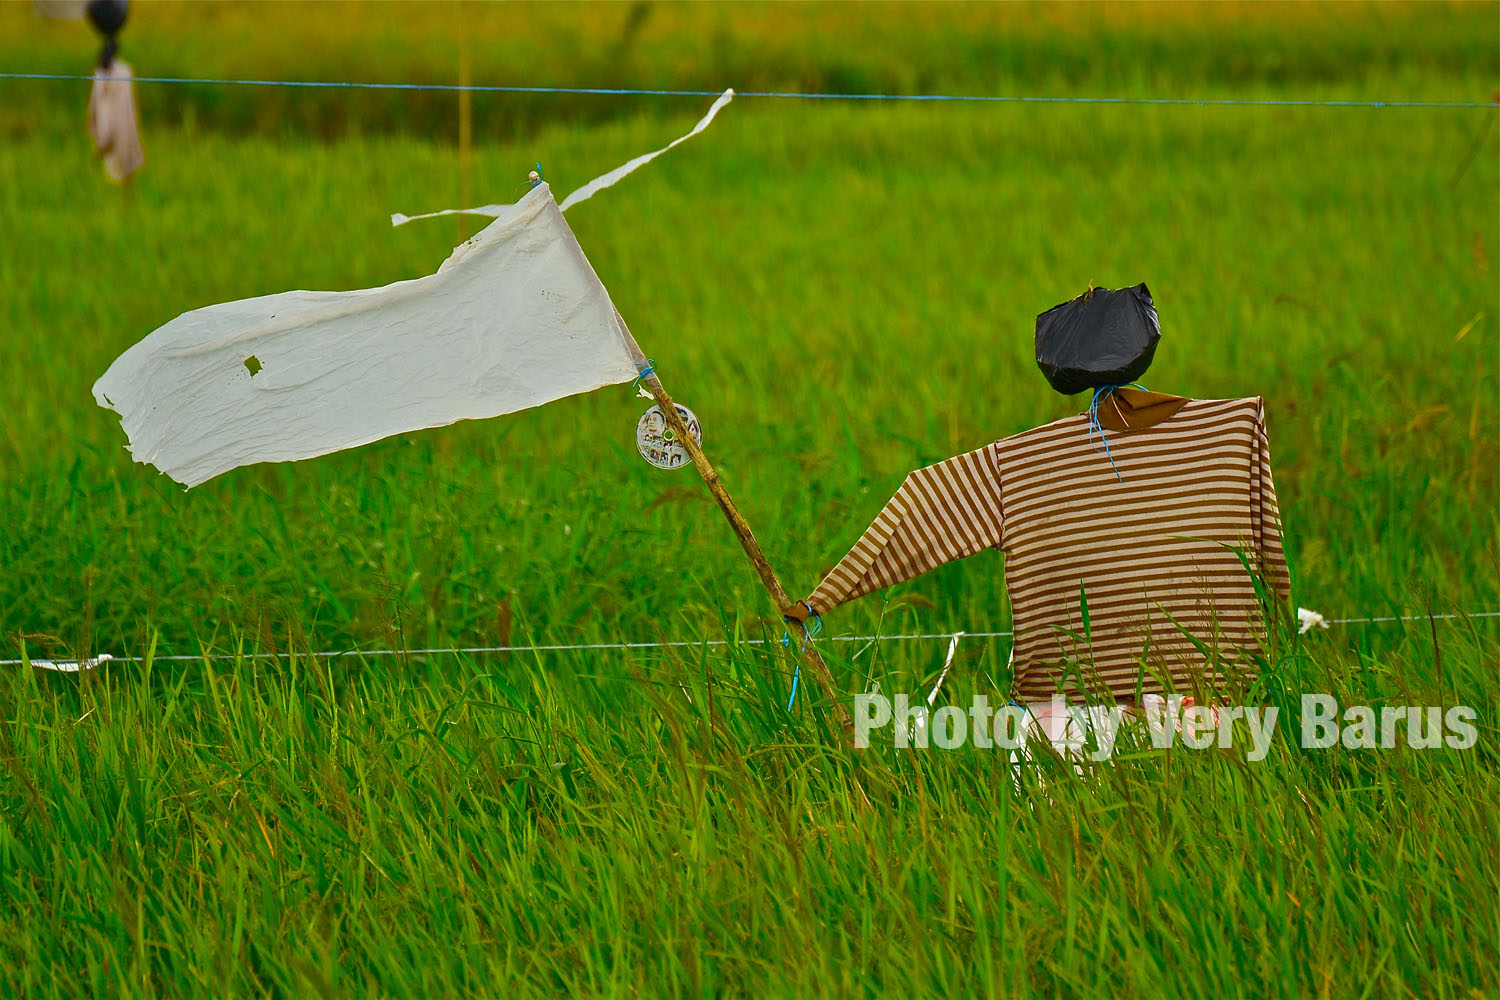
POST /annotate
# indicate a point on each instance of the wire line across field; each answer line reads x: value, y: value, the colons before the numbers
x: 673, y: 644
x: 777, y: 94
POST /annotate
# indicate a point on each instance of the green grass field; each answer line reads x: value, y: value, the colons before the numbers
x: 843, y: 292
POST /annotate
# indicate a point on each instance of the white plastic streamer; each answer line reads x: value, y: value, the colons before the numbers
x: 71, y: 666
x: 594, y: 186
x: 600, y: 183
x: 493, y: 211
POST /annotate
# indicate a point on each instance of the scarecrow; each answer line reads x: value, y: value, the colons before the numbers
x: 112, y: 119
x: 1142, y: 540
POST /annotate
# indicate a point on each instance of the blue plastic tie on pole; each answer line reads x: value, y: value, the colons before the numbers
x: 649, y: 368
x: 786, y: 641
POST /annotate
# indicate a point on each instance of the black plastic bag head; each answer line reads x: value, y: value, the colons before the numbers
x: 1104, y: 337
x: 108, y: 17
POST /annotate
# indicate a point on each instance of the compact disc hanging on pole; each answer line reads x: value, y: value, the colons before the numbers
x: 659, y: 444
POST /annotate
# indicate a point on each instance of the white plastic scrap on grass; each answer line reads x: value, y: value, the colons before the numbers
x: 1309, y: 620
x: 514, y: 318
x: 72, y: 666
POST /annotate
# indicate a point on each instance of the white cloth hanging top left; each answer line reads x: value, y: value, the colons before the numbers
x: 112, y: 121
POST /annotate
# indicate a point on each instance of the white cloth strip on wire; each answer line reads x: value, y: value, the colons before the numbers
x: 679, y: 644
x: 67, y: 666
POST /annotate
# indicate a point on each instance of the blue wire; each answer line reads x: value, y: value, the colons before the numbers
x: 629, y: 92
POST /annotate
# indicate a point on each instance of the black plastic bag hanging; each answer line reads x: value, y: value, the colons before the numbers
x: 1104, y: 337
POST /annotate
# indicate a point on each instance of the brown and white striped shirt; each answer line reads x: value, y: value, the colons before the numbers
x: 1118, y: 586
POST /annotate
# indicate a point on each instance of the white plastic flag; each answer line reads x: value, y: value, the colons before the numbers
x: 514, y: 318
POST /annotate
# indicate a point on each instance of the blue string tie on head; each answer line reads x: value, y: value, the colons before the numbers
x: 1095, y: 427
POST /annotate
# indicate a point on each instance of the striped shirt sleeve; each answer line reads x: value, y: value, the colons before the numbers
x: 1267, y: 513
x: 941, y: 513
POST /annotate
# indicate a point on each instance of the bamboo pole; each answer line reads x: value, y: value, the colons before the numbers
x: 465, y: 119
x: 814, y: 660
